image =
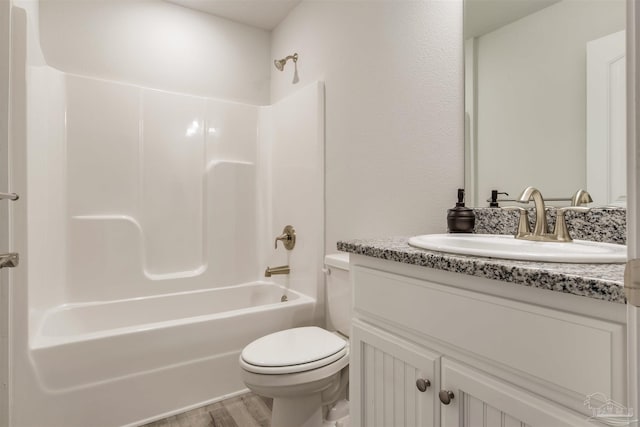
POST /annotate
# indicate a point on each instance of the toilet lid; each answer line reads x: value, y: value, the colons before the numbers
x: 291, y: 347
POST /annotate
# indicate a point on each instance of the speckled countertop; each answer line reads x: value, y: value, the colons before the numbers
x: 599, y: 281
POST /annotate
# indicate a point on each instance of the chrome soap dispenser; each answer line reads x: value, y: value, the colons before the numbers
x: 461, y: 219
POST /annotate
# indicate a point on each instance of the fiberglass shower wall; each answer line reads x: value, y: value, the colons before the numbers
x: 150, y: 191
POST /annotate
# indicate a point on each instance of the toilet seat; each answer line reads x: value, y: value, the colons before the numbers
x: 293, y: 350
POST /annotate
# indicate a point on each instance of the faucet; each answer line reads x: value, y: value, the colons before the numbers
x: 288, y: 238
x: 283, y: 269
x: 524, y: 228
x: 561, y: 233
x: 581, y: 197
x: 541, y: 229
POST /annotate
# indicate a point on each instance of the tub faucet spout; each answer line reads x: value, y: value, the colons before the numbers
x: 283, y: 269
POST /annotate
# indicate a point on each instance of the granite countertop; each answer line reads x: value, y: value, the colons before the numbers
x: 599, y: 281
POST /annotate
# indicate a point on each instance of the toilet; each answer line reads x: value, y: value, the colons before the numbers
x: 306, y: 370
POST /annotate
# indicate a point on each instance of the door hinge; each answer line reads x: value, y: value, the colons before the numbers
x: 9, y: 260
x: 632, y: 282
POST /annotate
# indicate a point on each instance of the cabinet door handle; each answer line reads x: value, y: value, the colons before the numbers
x: 423, y: 384
x: 446, y: 396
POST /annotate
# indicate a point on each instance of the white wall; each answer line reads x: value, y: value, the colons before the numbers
x: 83, y: 133
x: 394, y: 109
x: 157, y: 44
x: 532, y: 98
x: 291, y: 148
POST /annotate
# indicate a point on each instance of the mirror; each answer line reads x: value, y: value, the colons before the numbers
x: 545, y: 99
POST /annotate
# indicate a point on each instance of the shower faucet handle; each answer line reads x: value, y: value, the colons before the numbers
x: 288, y: 238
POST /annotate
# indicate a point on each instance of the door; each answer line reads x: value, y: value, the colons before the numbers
x: 606, y: 121
x: 471, y: 398
x: 396, y: 383
x: 5, y: 44
x: 633, y: 197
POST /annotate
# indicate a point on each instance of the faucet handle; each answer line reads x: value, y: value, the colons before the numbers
x: 581, y: 197
x: 288, y: 238
x: 524, y: 228
x: 560, y: 232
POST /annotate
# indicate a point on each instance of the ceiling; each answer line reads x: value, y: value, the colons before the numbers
x: 265, y: 14
x: 484, y: 16
x: 481, y: 16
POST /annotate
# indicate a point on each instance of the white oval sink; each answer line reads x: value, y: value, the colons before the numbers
x: 507, y: 247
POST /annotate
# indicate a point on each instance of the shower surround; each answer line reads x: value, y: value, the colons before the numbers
x: 150, y: 218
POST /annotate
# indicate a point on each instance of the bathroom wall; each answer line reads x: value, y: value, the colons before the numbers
x: 291, y: 151
x: 157, y: 44
x: 393, y: 74
x: 158, y: 189
x: 120, y: 49
x: 92, y: 175
x: 547, y: 69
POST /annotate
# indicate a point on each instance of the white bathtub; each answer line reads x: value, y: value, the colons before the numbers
x: 163, y: 353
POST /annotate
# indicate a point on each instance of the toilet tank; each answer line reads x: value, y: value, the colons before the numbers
x: 337, y: 278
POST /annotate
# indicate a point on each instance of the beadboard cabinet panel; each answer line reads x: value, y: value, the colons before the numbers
x: 481, y: 400
x: 385, y: 376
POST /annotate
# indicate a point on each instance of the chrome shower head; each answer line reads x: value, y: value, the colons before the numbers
x: 279, y: 63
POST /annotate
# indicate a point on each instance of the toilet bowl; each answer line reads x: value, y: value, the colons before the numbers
x: 305, y: 370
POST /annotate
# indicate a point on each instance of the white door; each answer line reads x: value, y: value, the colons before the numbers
x: 606, y: 120
x: 471, y: 398
x: 395, y: 384
x: 5, y: 43
x: 633, y: 197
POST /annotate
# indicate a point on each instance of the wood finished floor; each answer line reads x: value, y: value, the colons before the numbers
x: 248, y: 410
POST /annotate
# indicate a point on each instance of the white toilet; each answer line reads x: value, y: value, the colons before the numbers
x: 306, y: 370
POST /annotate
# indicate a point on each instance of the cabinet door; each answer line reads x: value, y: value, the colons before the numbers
x: 480, y: 400
x: 384, y: 381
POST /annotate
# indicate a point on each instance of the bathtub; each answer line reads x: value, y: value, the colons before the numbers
x: 164, y: 353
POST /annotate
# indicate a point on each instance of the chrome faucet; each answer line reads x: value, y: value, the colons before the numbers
x: 283, y: 269
x: 541, y: 229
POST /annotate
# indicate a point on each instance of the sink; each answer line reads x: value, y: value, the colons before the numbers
x: 507, y: 247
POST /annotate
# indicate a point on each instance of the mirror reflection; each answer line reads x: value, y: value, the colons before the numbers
x: 545, y: 99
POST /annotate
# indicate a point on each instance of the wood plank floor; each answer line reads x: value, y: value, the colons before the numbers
x: 248, y: 410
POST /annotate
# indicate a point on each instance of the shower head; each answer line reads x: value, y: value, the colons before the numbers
x: 279, y: 63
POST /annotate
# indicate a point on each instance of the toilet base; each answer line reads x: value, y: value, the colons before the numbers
x: 304, y: 411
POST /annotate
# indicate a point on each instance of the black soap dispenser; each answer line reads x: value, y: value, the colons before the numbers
x: 461, y: 219
x: 493, y: 203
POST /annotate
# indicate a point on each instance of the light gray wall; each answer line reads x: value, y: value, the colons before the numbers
x: 531, y: 105
x: 393, y: 74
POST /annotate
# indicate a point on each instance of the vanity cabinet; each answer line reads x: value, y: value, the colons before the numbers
x: 418, y: 334
x: 481, y: 400
x: 395, y: 379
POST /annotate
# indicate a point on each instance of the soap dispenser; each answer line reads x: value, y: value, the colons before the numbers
x: 493, y: 203
x: 461, y: 219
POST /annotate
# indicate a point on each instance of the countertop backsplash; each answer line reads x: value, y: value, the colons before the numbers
x: 607, y: 225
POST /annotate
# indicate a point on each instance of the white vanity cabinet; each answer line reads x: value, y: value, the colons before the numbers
x: 506, y: 359
x: 395, y: 379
